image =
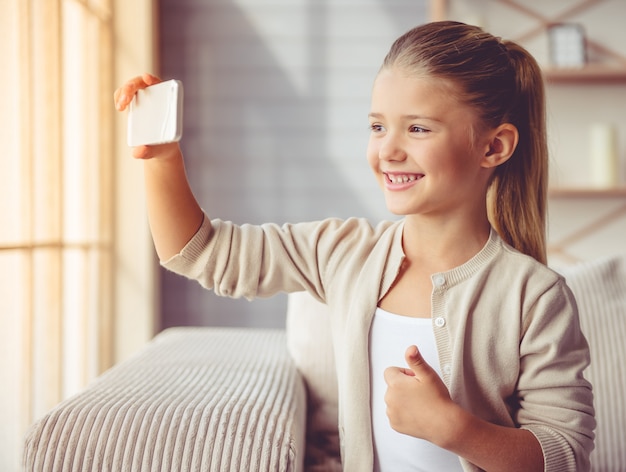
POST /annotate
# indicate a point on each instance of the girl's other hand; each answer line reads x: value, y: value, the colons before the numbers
x: 122, y: 98
x: 418, y: 402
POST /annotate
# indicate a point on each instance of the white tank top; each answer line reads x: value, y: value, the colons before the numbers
x: 390, y: 336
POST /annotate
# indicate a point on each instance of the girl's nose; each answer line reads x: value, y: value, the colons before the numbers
x: 391, y: 149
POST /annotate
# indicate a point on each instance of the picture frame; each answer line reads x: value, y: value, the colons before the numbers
x: 567, y: 42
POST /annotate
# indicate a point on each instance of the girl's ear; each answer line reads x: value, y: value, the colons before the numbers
x: 500, y: 148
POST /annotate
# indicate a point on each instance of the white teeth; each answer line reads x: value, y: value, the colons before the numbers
x: 402, y: 179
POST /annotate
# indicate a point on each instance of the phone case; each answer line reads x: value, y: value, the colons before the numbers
x: 156, y: 114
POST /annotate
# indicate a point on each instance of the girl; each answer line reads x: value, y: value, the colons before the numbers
x: 458, y: 146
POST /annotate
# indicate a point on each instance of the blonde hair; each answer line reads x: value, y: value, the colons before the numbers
x: 503, y: 83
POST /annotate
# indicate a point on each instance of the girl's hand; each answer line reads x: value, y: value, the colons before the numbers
x: 418, y: 402
x: 122, y: 98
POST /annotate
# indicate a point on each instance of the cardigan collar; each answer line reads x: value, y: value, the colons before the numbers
x: 452, y: 276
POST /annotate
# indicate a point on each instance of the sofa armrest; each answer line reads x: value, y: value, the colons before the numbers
x: 209, y: 399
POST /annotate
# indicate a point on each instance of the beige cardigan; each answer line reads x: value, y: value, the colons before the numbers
x: 506, y: 327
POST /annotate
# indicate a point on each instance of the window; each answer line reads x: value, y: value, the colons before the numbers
x: 56, y: 189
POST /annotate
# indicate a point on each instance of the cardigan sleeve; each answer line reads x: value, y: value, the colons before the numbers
x: 261, y: 260
x: 556, y: 402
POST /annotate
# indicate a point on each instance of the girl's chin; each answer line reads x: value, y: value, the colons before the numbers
x: 398, y: 211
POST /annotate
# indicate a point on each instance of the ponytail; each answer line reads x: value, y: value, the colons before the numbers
x: 517, y: 197
x: 503, y: 83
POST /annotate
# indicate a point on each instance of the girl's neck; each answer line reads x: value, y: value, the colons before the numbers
x: 443, y: 244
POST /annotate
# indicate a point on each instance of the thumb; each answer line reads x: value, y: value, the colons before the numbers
x: 415, y: 361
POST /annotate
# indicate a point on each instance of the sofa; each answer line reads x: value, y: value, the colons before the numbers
x: 238, y: 399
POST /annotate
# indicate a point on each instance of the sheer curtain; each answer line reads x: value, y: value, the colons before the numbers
x: 58, y: 205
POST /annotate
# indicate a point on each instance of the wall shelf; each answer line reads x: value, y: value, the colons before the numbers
x: 618, y: 192
x: 587, y: 74
x: 613, y: 70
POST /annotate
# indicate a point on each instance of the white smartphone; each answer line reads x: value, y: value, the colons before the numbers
x: 156, y: 114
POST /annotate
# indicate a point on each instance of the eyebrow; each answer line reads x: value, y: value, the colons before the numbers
x: 407, y: 117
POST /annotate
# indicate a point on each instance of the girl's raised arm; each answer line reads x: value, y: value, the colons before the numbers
x: 173, y: 211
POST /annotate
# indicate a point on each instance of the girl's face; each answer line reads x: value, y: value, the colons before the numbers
x: 421, y: 148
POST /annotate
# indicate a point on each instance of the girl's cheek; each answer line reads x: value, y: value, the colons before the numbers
x: 373, y: 148
x: 372, y: 158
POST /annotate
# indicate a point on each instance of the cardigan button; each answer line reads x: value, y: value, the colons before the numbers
x: 440, y: 322
x: 447, y: 369
x: 439, y: 280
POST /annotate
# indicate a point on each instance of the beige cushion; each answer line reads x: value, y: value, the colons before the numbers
x: 600, y: 290
x: 309, y: 343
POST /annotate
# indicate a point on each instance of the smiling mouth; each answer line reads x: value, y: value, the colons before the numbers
x: 402, y: 178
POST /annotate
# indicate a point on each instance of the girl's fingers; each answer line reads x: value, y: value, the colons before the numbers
x: 123, y: 95
x: 150, y: 79
x: 126, y: 92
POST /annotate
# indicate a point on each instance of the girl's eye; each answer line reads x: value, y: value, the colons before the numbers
x: 417, y: 129
x: 376, y: 128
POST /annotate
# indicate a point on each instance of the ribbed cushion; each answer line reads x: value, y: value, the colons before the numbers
x: 600, y: 290
x: 195, y: 399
